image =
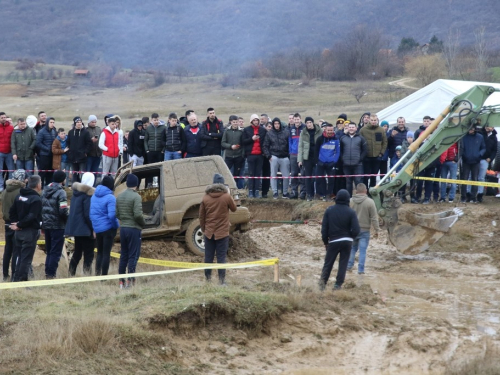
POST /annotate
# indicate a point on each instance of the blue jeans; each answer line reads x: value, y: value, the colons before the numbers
x: 361, y: 243
x: 27, y: 165
x: 7, y: 159
x: 451, y: 168
x: 483, y: 167
x: 172, y: 155
x: 93, y: 163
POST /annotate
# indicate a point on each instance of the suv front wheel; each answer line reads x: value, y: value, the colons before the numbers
x: 194, y: 238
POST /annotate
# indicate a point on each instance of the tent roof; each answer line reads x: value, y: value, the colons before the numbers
x: 431, y: 100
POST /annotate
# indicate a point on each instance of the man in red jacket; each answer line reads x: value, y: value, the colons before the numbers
x: 6, y: 130
x: 108, y: 143
x: 449, y: 161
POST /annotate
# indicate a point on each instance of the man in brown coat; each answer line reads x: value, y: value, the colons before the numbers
x: 214, y: 221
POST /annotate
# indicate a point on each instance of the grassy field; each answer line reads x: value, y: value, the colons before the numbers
x: 66, y: 98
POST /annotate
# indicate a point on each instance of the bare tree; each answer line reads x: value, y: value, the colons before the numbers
x: 450, y: 51
x: 481, y: 52
x: 358, y: 92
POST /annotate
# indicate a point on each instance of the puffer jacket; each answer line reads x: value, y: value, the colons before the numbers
x: 23, y: 143
x: 79, y: 143
x: 136, y: 140
x: 153, y: 138
x: 229, y: 138
x: 54, y: 207
x: 79, y: 223
x: 376, y: 140
x: 491, y: 144
x: 395, y: 141
x: 44, y: 140
x: 352, y: 149
x: 129, y: 210
x: 305, y: 142
x: 10, y: 193
x: 451, y: 154
x: 294, y: 137
x: 103, y: 210
x: 276, y: 143
x: 174, y: 139
x: 6, y: 131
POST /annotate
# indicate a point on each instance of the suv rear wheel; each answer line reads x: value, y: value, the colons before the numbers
x: 194, y: 238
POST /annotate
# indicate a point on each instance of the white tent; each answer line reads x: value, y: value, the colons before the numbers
x: 431, y: 100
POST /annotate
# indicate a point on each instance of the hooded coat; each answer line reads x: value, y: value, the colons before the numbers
x: 339, y: 220
x: 214, y: 211
x: 397, y: 140
x: 366, y: 211
x: 472, y: 148
x: 10, y: 193
x: 136, y: 140
x: 103, y: 210
x: 276, y: 142
x: 79, y: 223
x: 54, y: 207
x: 80, y: 144
x: 27, y: 209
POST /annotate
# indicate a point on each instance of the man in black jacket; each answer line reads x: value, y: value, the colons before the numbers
x: 211, y: 133
x: 490, y: 139
x: 174, y: 139
x: 54, y: 216
x: 339, y: 228
x: 80, y: 145
x: 44, y: 140
x: 26, y: 216
x: 276, y: 151
x: 136, y: 144
x: 352, y: 152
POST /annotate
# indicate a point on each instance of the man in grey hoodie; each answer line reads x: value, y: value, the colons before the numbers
x: 367, y: 216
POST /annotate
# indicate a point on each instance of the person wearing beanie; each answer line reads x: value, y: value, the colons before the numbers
x: 80, y: 226
x: 95, y: 153
x: 135, y: 146
x: 306, y: 157
x: 129, y: 212
x: 12, y: 189
x: 214, y: 223
x: 253, y: 140
x: 342, y: 116
x: 276, y: 150
x: 109, y: 143
x: 104, y: 222
x: 79, y: 144
x: 364, y: 120
x: 309, y: 118
x: 340, y: 226
x: 54, y: 216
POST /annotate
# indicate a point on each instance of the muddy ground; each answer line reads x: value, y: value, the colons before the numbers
x: 418, y: 314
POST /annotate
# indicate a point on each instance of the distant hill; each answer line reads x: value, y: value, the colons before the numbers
x: 219, y: 33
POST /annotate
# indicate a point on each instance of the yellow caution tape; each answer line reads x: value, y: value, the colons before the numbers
x: 39, y: 242
x: 172, y: 264
x: 75, y: 280
x: 460, y: 182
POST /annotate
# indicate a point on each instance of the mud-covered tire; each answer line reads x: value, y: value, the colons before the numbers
x: 194, y: 238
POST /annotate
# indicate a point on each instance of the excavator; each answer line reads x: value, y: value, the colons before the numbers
x: 412, y: 233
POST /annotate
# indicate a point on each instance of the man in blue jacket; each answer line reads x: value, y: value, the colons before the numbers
x: 327, y: 155
x: 339, y: 228
x: 471, y: 150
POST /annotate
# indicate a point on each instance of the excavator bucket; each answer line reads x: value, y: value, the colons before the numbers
x: 414, y: 233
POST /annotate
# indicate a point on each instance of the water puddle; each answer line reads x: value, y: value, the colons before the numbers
x: 463, y: 301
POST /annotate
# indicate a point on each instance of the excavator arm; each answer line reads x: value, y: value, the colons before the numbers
x: 413, y: 233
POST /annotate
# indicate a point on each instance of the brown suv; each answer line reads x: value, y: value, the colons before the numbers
x: 171, y: 203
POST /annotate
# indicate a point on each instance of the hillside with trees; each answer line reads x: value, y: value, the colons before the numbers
x: 219, y: 35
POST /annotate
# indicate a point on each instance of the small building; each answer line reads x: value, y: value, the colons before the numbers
x: 81, y: 72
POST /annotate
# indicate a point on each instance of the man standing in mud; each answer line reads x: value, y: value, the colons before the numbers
x: 214, y: 223
x: 339, y: 228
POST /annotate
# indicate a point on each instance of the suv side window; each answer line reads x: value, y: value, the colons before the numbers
x: 199, y: 173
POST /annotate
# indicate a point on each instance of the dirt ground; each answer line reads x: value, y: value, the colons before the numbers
x: 420, y: 315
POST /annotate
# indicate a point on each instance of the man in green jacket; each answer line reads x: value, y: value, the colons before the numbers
x: 23, y: 143
x: 233, y: 152
x: 129, y: 212
x: 376, y: 141
x: 307, y: 155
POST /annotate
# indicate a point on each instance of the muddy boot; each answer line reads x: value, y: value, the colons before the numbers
x: 480, y: 198
x: 322, y: 285
x: 337, y: 286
